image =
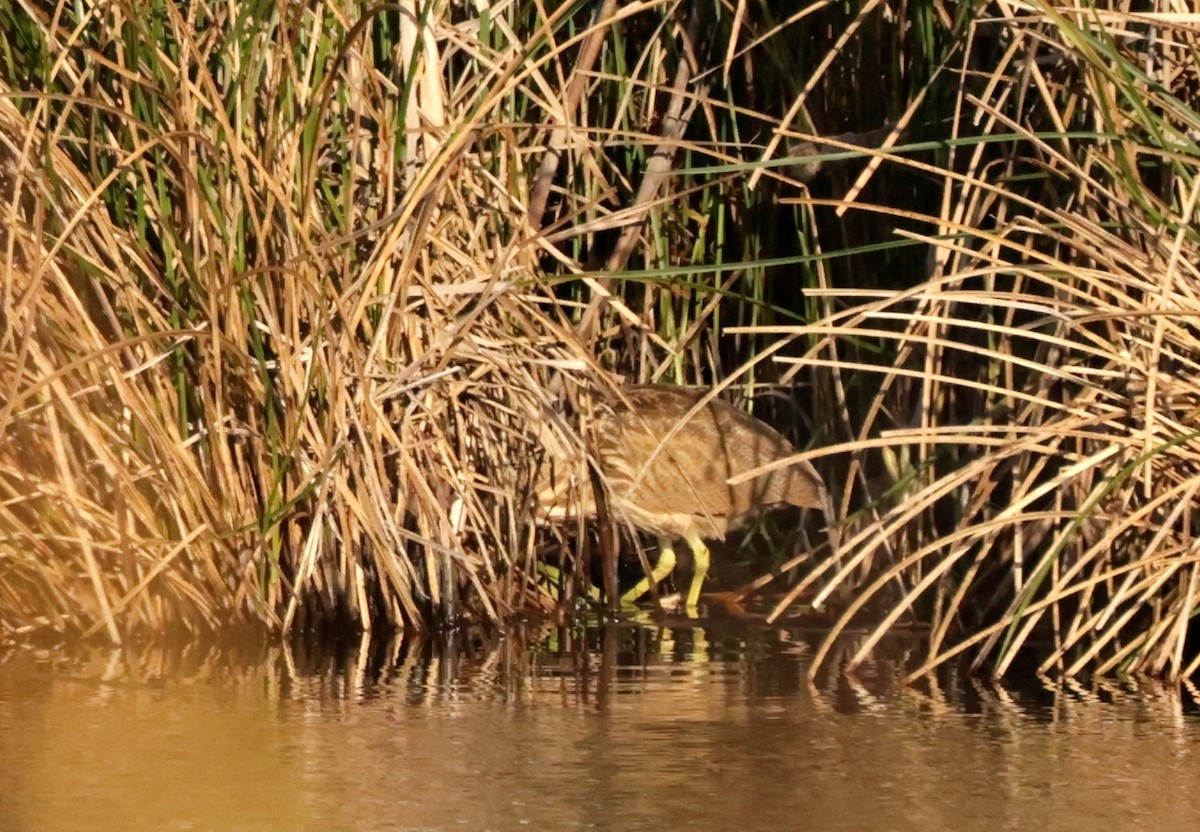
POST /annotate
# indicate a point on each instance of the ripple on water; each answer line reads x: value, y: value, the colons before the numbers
x: 629, y: 726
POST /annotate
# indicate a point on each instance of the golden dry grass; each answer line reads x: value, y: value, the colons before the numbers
x: 1036, y: 421
x: 285, y: 294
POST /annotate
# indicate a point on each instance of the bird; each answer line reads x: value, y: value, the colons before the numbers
x: 667, y: 454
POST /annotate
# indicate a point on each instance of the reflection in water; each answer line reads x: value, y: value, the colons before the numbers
x: 619, y: 727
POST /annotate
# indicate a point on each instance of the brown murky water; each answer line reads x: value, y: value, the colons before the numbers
x: 626, y: 728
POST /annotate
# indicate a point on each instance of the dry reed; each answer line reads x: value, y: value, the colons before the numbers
x: 285, y: 293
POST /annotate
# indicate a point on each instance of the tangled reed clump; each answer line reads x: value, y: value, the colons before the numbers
x: 1042, y: 383
x: 191, y: 440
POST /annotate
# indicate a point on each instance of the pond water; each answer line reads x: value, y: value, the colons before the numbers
x: 627, y: 727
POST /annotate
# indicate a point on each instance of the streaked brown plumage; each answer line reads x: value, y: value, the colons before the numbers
x: 668, y: 470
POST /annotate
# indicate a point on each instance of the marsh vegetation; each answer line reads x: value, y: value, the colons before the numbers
x: 287, y: 285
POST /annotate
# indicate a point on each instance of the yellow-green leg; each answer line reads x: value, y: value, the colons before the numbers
x: 700, y: 561
x: 662, y: 568
x: 554, y: 575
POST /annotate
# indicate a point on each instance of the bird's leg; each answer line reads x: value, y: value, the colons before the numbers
x: 662, y: 568
x: 700, y: 561
x: 555, y: 576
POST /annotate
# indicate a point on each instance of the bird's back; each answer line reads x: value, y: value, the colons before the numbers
x: 669, y: 472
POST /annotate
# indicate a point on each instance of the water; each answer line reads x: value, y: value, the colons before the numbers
x: 626, y: 728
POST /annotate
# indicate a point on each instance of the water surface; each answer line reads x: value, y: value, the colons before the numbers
x: 619, y: 728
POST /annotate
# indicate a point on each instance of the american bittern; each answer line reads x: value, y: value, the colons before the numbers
x: 668, y: 460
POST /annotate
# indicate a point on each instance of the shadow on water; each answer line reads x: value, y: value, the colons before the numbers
x: 630, y: 726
